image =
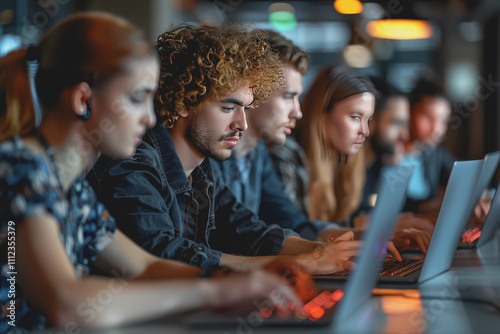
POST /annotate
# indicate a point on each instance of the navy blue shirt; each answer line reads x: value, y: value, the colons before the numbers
x: 154, y: 203
x: 255, y: 183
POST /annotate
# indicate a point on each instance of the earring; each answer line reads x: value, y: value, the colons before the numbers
x: 84, y: 114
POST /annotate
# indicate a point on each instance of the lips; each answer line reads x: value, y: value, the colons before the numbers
x: 138, y: 138
x: 232, y: 140
x: 289, y: 128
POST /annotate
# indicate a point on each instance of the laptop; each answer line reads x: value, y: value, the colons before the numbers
x: 470, y: 237
x: 450, y: 223
x: 329, y: 304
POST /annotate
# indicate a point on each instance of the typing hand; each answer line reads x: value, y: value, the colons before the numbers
x: 296, y: 275
x: 392, y: 248
x: 332, y: 256
x: 236, y: 288
x: 411, y: 238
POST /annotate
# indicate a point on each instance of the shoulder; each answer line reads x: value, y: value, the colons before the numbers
x: 145, y: 154
x: 18, y: 164
x: 25, y: 180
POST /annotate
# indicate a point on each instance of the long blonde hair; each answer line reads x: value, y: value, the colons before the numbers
x: 336, y: 181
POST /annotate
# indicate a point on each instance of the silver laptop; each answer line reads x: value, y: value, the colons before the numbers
x: 452, y: 218
x: 450, y: 223
x: 329, y: 304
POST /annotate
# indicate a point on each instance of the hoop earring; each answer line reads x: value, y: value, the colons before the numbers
x: 170, y: 122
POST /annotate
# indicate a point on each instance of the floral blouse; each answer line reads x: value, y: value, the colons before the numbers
x: 27, y: 189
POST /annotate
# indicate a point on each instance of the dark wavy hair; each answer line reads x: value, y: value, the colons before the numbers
x: 202, y: 63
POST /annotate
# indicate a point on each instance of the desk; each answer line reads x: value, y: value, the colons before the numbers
x: 435, y: 307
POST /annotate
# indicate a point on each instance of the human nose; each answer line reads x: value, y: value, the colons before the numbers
x: 240, y: 120
x: 365, y: 129
x: 296, y: 112
x: 150, y: 116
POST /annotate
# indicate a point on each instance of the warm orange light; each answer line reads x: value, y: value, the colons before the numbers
x: 348, y: 6
x: 399, y: 29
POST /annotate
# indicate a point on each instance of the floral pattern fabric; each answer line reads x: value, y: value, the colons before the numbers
x: 28, y: 189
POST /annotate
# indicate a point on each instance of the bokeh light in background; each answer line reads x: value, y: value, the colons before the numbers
x: 357, y: 56
x: 282, y: 16
x: 348, y: 6
x: 399, y: 29
x: 9, y: 42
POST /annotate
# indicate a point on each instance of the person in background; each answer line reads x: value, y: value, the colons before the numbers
x: 92, y: 78
x: 166, y: 196
x: 249, y: 172
x: 337, y: 110
x: 429, y: 115
x: 385, y: 146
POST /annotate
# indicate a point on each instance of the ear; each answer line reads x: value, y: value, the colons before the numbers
x: 80, y: 95
x: 184, y: 112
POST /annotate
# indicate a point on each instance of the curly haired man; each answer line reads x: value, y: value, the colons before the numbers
x: 166, y: 197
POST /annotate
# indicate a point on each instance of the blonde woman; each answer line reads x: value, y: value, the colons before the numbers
x: 337, y: 110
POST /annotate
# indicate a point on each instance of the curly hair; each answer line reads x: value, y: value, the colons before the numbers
x: 200, y: 64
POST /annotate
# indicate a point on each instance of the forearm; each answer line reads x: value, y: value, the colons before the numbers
x: 295, y: 245
x: 163, y: 269
x: 245, y: 263
x: 107, y: 302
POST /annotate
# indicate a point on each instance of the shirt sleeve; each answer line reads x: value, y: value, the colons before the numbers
x: 26, y: 186
x: 147, y: 211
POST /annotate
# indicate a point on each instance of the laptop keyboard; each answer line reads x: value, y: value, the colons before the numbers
x: 317, y: 308
x: 394, y: 268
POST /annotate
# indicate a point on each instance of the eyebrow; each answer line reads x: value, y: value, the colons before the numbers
x: 236, y: 101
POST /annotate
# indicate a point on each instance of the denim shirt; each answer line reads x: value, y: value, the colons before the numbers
x: 259, y: 189
x: 154, y: 204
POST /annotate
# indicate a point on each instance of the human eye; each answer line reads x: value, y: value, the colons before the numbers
x: 228, y: 109
x: 138, y: 97
x: 356, y: 117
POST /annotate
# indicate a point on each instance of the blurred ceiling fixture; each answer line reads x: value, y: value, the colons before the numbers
x: 399, y: 29
x: 400, y: 22
x: 282, y: 16
x: 348, y: 6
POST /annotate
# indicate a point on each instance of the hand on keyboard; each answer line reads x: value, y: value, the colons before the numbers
x: 332, y: 256
x: 296, y: 275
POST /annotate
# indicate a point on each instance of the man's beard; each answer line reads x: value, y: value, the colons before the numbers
x: 201, y: 139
